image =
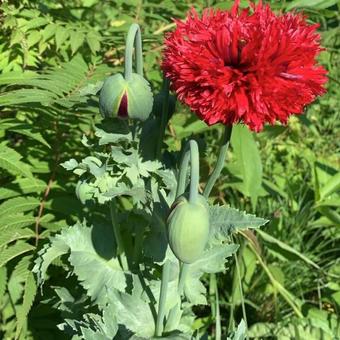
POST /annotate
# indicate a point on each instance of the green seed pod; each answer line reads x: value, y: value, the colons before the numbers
x: 188, y: 228
x: 126, y: 98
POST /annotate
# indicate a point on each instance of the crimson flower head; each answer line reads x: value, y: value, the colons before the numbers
x: 251, y: 65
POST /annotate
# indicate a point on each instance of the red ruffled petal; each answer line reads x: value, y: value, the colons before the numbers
x: 249, y: 66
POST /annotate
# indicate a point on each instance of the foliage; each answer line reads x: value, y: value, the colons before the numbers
x: 53, y: 59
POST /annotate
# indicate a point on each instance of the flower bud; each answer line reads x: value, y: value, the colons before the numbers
x: 126, y: 98
x: 188, y: 228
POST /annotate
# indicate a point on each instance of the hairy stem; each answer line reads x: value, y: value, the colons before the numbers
x: 134, y: 39
x: 162, y: 298
x: 220, y: 161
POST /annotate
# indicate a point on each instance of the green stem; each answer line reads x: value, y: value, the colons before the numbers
x: 164, y: 116
x: 241, y: 291
x: 134, y: 39
x: 183, y: 277
x: 118, y: 237
x: 162, y: 298
x: 220, y: 161
x: 190, y: 152
x: 218, y: 330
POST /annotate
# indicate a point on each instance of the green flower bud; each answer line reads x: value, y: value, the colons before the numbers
x: 188, y: 228
x: 126, y: 99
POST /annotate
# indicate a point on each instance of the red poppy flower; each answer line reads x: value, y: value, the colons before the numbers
x: 249, y: 65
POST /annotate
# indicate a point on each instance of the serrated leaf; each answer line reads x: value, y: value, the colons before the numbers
x: 225, y: 220
x: 47, y: 255
x: 92, y: 254
x: 11, y: 235
x: 107, y: 138
x: 30, y: 291
x: 212, y: 261
x: 26, y: 130
x: 22, y: 186
x: 10, y: 160
x: 13, y: 222
x: 133, y: 313
x: 12, y: 252
x: 18, y: 205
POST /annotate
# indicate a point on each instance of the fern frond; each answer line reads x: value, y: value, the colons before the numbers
x: 30, y: 291
x: 18, y: 205
x: 10, y: 160
x: 11, y: 235
x: 12, y: 252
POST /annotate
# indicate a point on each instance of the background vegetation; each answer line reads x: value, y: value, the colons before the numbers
x: 53, y: 57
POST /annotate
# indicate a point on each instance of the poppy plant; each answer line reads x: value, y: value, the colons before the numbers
x: 251, y: 65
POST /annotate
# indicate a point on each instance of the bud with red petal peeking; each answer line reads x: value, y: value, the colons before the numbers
x: 126, y: 98
x: 250, y: 66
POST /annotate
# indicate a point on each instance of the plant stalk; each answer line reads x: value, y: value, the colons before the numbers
x: 220, y: 161
x: 162, y: 298
x: 118, y: 237
x: 134, y: 39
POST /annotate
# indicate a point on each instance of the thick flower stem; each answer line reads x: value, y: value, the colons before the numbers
x: 162, y: 298
x: 164, y: 117
x: 118, y: 237
x: 134, y: 39
x: 220, y: 161
x: 190, y: 152
x: 182, y: 278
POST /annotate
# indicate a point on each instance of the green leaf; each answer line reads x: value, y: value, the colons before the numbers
x: 314, y: 4
x: 225, y: 220
x: 287, y: 248
x: 107, y: 137
x: 331, y: 186
x: 240, y: 333
x: 133, y: 313
x: 30, y: 291
x: 11, y: 235
x: 248, y: 166
x: 92, y: 254
x: 212, y: 261
x: 61, y: 36
x: 17, y: 205
x: 48, y: 254
x: 49, y: 31
x: 13, y: 222
x: 24, y: 129
x: 22, y: 186
x: 12, y: 252
x: 10, y: 160
x: 77, y: 39
x: 93, y: 40
x: 3, y: 281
